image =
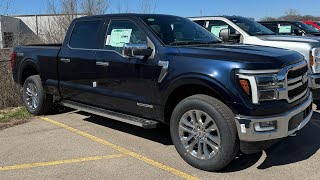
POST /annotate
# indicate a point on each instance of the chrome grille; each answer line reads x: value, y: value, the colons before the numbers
x: 297, y: 82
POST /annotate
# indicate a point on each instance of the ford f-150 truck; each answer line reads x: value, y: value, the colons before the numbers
x: 247, y: 31
x: 147, y: 69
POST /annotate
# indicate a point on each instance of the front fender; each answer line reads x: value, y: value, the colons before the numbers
x: 196, y: 79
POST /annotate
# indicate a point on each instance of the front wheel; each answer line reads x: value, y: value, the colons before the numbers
x: 204, y: 133
x: 35, y: 99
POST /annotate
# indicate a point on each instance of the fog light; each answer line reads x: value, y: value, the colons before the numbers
x: 267, y: 95
x: 265, y: 126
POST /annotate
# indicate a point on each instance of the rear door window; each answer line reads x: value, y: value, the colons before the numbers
x: 85, y: 35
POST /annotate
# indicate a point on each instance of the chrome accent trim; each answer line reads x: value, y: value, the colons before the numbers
x: 254, y: 87
x: 283, y: 120
x: 295, y: 86
x: 145, y: 105
x: 164, y: 70
x: 267, y: 71
x: 20, y: 54
x: 133, y: 120
x: 101, y: 63
x: 295, y: 80
x: 65, y: 60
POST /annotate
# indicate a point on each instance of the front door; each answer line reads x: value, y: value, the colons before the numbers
x: 126, y: 84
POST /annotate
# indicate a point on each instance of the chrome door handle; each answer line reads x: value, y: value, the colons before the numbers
x: 65, y: 60
x: 101, y: 63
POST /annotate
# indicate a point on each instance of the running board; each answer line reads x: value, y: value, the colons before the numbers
x: 137, y: 121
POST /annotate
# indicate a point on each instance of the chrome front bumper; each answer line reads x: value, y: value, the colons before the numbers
x: 245, y: 124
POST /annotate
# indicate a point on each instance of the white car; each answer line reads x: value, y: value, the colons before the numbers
x: 244, y: 30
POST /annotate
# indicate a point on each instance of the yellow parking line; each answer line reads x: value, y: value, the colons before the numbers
x: 124, y: 151
x: 67, y: 161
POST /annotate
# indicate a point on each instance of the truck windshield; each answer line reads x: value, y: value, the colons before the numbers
x: 251, y: 27
x: 179, y: 31
x: 307, y: 28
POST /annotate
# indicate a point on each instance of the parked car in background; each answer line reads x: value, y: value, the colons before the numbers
x: 145, y: 69
x: 296, y: 28
x: 246, y: 31
x: 315, y: 24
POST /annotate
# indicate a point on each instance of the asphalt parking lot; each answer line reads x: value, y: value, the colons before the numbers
x: 76, y: 145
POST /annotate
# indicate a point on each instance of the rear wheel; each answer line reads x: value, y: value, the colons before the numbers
x: 204, y: 133
x: 35, y: 99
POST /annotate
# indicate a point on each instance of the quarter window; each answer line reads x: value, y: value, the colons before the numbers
x: 122, y: 32
x: 85, y: 35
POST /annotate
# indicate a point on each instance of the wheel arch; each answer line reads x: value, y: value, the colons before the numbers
x: 191, y: 85
x: 28, y: 68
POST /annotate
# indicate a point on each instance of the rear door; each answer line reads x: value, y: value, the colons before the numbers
x: 77, y: 64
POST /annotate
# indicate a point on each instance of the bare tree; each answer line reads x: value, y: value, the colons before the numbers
x: 292, y: 15
x: 65, y: 11
x: 147, y: 6
x: 93, y: 7
x: 4, y: 7
x: 291, y: 12
x: 121, y: 7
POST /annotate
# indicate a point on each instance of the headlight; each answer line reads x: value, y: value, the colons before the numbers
x: 315, y: 60
x: 260, y: 87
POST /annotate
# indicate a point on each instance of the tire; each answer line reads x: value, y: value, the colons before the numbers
x: 35, y: 99
x: 221, y: 128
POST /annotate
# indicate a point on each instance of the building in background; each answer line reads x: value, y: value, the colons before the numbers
x: 22, y: 29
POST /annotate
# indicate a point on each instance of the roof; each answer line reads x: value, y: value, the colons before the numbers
x: 279, y: 21
x: 126, y: 15
x: 217, y: 17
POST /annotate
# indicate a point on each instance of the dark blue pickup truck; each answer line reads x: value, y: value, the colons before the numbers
x: 149, y: 69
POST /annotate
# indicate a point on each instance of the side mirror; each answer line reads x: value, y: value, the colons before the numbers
x: 136, y: 50
x: 228, y: 36
x: 298, y: 32
x: 224, y: 34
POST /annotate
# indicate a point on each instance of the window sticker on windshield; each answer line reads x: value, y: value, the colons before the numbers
x: 215, y: 30
x: 284, y: 29
x: 119, y: 37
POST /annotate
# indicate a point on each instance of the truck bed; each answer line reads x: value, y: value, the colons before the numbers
x: 44, y: 55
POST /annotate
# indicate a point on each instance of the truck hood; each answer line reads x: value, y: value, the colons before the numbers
x: 315, y: 34
x: 270, y: 57
x: 302, y: 39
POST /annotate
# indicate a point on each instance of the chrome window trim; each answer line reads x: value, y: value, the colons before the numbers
x: 120, y: 19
